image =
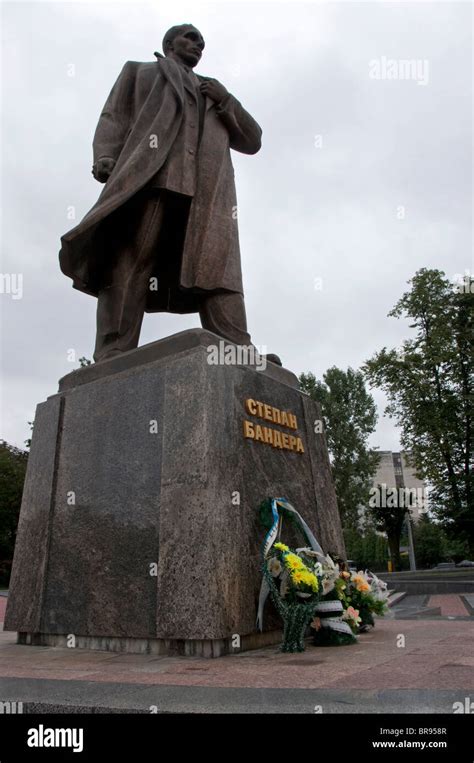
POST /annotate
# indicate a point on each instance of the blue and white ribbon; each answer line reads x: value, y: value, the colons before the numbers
x: 270, y: 539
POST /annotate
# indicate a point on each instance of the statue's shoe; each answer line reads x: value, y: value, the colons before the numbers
x: 109, y: 355
x: 274, y: 358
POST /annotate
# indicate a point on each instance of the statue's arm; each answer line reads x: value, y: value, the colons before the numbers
x: 114, y: 123
x: 244, y: 132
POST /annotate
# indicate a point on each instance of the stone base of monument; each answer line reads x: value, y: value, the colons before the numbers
x: 139, y: 528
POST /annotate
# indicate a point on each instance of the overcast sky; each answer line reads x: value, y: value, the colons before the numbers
x: 385, y: 190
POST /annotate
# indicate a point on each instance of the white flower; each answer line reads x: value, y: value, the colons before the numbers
x: 328, y: 585
x: 274, y: 567
x: 329, y: 568
x: 379, y: 587
x: 330, y: 564
x: 330, y: 573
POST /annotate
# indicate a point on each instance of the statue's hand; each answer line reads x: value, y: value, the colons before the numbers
x: 103, y: 169
x: 214, y: 89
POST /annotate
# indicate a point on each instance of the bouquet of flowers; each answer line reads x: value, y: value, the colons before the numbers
x: 335, y: 622
x: 294, y: 585
x: 368, y: 594
x: 307, y: 586
x: 362, y: 595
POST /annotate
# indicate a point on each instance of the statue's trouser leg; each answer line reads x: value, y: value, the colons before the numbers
x: 224, y: 314
x: 121, y: 305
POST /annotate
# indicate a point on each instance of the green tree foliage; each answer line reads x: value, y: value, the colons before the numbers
x: 432, y: 545
x: 430, y: 542
x: 367, y: 549
x: 350, y: 416
x: 28, y: 441
x: 12, y: 476
x: 389, y: 519
x: 456, y: 550
x: 429, y: 385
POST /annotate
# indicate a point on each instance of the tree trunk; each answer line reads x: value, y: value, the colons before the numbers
x: 394, y: 546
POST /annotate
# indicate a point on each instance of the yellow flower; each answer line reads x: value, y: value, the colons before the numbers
x: 345, y: 574
x: 293, y: 562
x: 297, y: 576
x: 305, y: 577
x: 281, y: 547
x: 311, y: 580
x: 363, y: 587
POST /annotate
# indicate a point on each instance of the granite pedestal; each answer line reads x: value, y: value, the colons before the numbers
x: 139, y: 528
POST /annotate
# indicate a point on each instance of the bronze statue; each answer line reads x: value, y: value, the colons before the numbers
x: 163, y: 234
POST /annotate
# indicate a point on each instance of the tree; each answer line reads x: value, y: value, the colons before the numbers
x: 350, y: 416
x: 429, y: 385
x: 28, y: 441
x: 83, y: 363
x: 389, y: 518
x: 366, y: 548
x: 430, y: 542
x: 12, y: 476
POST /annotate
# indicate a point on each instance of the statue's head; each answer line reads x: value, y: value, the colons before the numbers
x: 184, y: 43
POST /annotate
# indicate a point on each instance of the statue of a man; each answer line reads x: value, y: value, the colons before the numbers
x: 163, y: 234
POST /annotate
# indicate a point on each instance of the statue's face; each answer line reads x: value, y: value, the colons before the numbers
x: 187, y: 47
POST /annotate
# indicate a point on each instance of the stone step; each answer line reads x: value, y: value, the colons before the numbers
x: 411, y: 606
x: 395, y: 597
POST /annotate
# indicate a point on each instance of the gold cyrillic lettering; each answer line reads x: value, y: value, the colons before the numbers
x: 277, y: 439
x: 250, y: 406
x: 259, y: 409
x: 299, y: 445
x: 258, y: 433
x: 267, y: 412
x: 268, y: 435
x: 284, y: 419
x: 248, y: 430
x: 284, y: 437
x: 276, y: 415
x: 292, y: 442
x: 292, y: 421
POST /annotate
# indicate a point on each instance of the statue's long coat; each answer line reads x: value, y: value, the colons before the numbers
x: 148, y: 100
